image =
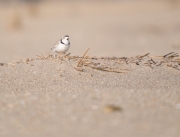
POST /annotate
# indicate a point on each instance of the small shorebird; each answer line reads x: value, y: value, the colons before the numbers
x: 61, y: 46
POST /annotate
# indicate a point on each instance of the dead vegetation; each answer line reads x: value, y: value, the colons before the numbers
x: 118, y: 64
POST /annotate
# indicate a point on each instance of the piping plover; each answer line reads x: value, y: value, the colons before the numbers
x: 61, y: 46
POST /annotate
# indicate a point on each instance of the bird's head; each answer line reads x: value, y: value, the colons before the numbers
x: 65, y: 39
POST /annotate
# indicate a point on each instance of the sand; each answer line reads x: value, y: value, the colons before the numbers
x: 125, y: 93
x: 51, y: 97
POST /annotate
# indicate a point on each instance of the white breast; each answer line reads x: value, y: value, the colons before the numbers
x: 61, y: 48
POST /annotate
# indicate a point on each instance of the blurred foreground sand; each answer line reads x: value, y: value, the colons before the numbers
x: 108, y: 28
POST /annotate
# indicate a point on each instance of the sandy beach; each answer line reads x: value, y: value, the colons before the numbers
x: 46, y: 96
x: 128, y: 83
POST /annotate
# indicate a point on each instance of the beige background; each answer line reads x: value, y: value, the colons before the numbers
x: 118, y: 28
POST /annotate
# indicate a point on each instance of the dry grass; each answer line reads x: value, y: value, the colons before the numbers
x: 81, y: 60
x: 169, y: 60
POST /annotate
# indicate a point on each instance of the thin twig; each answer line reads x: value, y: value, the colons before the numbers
x: 105, y: 69
x: 79, y: 69
x: 43, y: 56
x: 168, y: 54
x: 39, y: 56
x: 79, y: 63
x: 144, y: 55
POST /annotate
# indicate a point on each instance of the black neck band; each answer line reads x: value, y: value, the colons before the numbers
x: 64, y: 43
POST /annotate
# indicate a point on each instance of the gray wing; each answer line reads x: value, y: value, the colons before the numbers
x: 55, y: 45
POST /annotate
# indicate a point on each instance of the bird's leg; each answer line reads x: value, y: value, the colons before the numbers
x: 64, y: 55
x: 59, y: 55
x: 66, y: 58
